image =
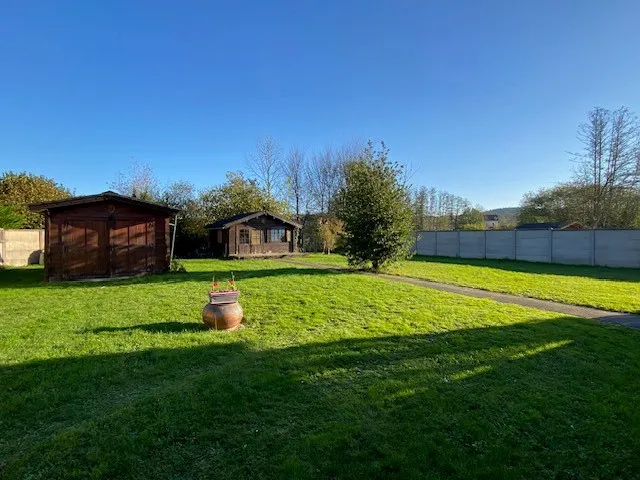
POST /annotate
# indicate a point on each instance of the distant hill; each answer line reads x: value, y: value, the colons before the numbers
x: 504, y: 211
x: 506, y: 215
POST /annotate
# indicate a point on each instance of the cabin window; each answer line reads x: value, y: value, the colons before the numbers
x: 276, y: 235
x: 256, y: 237
x: 219, y: 236
x: 244, y: 236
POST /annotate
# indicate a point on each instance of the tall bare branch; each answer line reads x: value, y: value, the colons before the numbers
x: 265, y: 163
x: 608, y: 165
x: 295, y: 179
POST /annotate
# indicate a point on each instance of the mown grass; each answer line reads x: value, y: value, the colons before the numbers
x: 615, y: 289
x: 334, y: 376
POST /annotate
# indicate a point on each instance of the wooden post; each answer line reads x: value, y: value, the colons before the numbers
x: 2, y: 250
x: 173, y: 239
x: 47, y: 244
x: 236, y: 232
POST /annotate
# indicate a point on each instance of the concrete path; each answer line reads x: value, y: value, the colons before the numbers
x: 603, y: 316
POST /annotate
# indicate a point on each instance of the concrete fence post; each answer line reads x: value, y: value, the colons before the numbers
x: 458, y: 249
x: 593, y: 246
x: 551, y: 245
x: 515, y: 244
x: 485, y: 244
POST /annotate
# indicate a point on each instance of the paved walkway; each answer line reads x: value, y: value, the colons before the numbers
x: 603, y: 316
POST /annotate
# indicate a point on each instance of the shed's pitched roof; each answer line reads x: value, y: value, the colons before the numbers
x: 548, y: 225
x: 100, y: 197
x: 540, y: 226
x: 245, y: 217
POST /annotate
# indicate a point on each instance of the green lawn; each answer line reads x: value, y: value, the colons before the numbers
x: 616, y: 289
x: 336, y: 375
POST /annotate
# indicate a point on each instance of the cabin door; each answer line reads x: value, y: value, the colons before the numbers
x: 244, y: 241
x: 256, y: 241
x: 132, y: 246
x: 84, y: 248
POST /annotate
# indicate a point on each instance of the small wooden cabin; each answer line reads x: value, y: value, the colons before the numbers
x: 104, y: 235
x: 253, y: 234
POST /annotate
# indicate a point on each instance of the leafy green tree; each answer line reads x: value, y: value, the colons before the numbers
x: 562, y: 203
x: 471, y: 219
x: 569, y: 202
x: 330, y: 230
x: 11, y: 218
x: 18, y: 190
x: 191, y: 236
x: 238, y: 195
x: 374, y: 205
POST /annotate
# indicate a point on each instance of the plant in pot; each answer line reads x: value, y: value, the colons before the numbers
x: 223, y: 312
x: 229, y: 294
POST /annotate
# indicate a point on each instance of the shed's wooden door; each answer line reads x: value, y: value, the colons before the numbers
x: 132, y: 243
x: 84, y: 248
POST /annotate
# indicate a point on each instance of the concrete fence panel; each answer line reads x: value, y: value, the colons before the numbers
x: 572, y: 247
x: 426, y: 243
x: 611, y: 248
x: 617, y: 248
x: 447, y: 244
x: 21, y: 247
x: 501, y: 244
x: 533, y: 245
x: 472, y: 244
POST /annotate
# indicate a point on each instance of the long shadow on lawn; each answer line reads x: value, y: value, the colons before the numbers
x: 160, y: 327
x: 29, y: 278
x: 603, y: 273
x: 554, y: 399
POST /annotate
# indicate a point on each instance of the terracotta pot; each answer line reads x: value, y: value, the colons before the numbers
x: 223, y: 316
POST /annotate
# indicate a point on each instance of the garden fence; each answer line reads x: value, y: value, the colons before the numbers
x: 20, y: 247
x: 611, y: 248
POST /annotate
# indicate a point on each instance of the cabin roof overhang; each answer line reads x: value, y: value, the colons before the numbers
x: 245, y: 217
x: 101, y: 197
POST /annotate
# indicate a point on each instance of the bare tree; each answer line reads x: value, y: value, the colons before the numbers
x: 438, y: 209
x: 139, y: 182
x: 420, y: 206
x: 266, y: 164
x: 326, y: 173
x: 608, y: 164
x: 320, y: 179
x: 295, y: 179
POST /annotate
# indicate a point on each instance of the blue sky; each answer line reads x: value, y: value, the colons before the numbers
x: 482, y: 98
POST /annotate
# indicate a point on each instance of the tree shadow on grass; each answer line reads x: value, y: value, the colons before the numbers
x: 602, y: 273
x: 30, y: 278
x: 160, y: 327
x: 552, y: 399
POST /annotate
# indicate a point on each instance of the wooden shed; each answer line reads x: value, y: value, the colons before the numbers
x: 253, y: 234
x: 104, y: 235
